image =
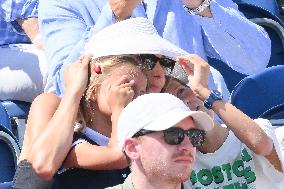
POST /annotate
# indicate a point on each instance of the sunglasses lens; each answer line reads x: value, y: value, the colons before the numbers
x: 196, y: 136
x: 167, y: 63
x: 149, y: 60
x: 174, y: 135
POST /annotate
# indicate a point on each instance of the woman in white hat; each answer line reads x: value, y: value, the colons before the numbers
x: 92, y: 154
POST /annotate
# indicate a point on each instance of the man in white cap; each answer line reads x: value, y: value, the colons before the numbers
x: 158, y: 134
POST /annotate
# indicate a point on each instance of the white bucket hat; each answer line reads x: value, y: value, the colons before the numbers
x: 131, y: 36
x: 156, y: 112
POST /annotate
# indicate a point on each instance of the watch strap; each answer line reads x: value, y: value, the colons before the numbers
x: 214, y: 96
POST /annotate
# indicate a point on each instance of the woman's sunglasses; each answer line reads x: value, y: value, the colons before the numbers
x: 176, y: 135
x: 150, y: 61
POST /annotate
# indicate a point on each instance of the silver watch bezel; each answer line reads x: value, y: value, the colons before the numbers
x: 200, y: 8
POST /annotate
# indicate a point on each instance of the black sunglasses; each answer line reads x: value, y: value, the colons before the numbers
x: 150, y: 61
x: 175, y: 135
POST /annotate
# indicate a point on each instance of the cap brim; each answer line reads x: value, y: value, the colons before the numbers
x: 201, y: 119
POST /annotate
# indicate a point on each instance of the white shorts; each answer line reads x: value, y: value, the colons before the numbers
x: 23, y: 73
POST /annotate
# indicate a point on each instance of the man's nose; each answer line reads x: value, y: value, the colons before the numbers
x: 186, y: 144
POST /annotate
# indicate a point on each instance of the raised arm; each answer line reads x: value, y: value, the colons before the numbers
x: 88, y: 156
x: 51, y: 121
x: 246, y: 130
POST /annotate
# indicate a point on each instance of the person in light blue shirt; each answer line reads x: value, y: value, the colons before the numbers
x: 220, y: 31
x: 22, y: 64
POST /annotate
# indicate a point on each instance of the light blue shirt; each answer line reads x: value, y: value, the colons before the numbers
x: 66, y: 25
x: 10, y: 11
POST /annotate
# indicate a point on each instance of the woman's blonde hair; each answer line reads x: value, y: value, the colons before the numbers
x: 106, y: 64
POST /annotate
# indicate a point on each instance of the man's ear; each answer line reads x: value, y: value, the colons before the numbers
x: 131, y: 148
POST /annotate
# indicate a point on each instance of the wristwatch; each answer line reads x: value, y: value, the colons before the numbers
x: 198, y: 9
x: 214, y: 96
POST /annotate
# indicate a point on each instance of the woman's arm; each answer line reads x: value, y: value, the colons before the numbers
x: 51, y: 122
x: 246, y: 130
x: 88, y: 156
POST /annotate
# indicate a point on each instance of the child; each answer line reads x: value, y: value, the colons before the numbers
x: 241, y: 154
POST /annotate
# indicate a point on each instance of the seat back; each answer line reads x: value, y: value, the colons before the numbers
x: 16, y: 113
x: 10, y: 151
x: 4, y: 118
x: 275, y: 113
x: 270, y: 6
x: 260, y: 92
x: 276, y: 35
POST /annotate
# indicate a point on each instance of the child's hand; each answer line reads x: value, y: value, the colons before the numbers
x: 121, y: 93
x: 197, y: 70
x: 76, y: 76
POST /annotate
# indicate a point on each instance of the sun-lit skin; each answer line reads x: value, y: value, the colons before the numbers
x: 163, y: 157
x: 186, y: 95
x: 156, y: 78
x: 132, y: 73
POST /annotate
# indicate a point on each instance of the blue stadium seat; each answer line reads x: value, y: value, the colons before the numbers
x: 270, y: 6
x: 276, y: 112
x: 4, y: 118
x: 276, y: 35
x: 9, y: 150
x: 13, y: 116
x: 258, y: 93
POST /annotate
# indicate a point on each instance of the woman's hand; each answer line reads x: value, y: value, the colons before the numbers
x: 76, y: 76
x: 121, y: 93
x: 197, y: 70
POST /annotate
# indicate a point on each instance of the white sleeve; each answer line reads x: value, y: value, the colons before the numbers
x: 267, y: 168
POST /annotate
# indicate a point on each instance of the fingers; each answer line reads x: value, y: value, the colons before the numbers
x: 184, y: 62
x: 86, y: 59
x: 124, y: 81
x: 193, y: 59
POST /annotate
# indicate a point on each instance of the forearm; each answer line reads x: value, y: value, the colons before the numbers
x: 50, y: 148
x: 246, y: 130
x: 93, y: 157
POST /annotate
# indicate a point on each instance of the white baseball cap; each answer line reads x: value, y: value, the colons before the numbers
x: 156, y: 112
x: 131, y: 36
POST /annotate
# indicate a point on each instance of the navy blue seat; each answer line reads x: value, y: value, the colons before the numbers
x: 270, y: 6
x: 13, y: 116
x: 276, y: 112
x: 258, y: 93
x: 9, y: 150
x: 4, y: 118
x: 276, y: 35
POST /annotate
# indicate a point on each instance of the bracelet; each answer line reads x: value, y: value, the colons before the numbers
x: 198, y: 9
